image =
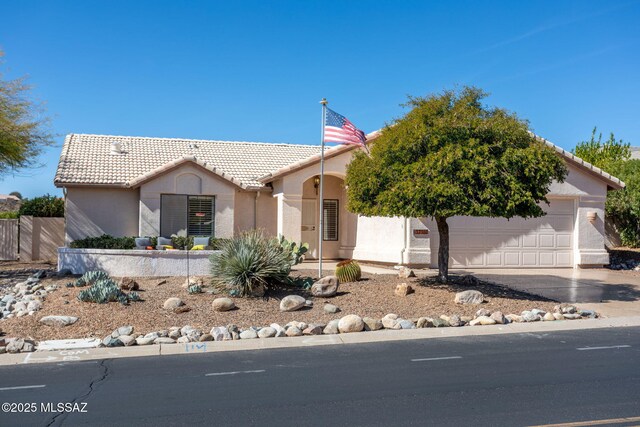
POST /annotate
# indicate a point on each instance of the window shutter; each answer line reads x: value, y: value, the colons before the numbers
x: 330, y: 220
x: 173, y: 215
x: 201, y: 216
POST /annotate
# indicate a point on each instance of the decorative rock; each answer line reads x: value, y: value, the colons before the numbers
x: 482, y: 320
x: 439, y: 323
x: 540, y: 313
x: 406, y: 324
x: 571, y: 316
x: 223, y: 304
x: 293, y: 331
x: 58, y: 321
x: 558, y: 316
x: 280, y: 331
x: 267, y: 332
x: 34, y: 305
x: 499, y: 318
x: 152, y: 335
x: 15, y: 346
x: 331, y: 328
x: 371, y: 324
x: 122, y: 330
x: 163, y: 340
x: 109, y: 341
x: 325, y: 287
x: 483, y: 312
x: 248, y: 334
x: 127, y: 340
x: 183, y: 340
x: 314, y: 329
x: 514, y: 318
x: 175, y: 334
x: 205, y: 338
x: 568, y: 309
x: 220, y: 333
x: 389, y: 321
x: 350, y: 323
x: 331, y: 309
x: 405, y: 273
x: 402, y: 290
x: 588, y: 313
x: 234, y: 331
x: 300, y: 325
x: 528, y: 316
x: 548, y: 317
x: 172, y: 303
x: 308, y: 303
x: 424, y: 322
x: 455, y: 321
x: 466, y: 319
x: 469, y: 297
x: 28, y: 347
x: 292, y: 303
x: 128, y: 284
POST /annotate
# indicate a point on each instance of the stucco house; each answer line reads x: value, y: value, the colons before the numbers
x: 134, y: 186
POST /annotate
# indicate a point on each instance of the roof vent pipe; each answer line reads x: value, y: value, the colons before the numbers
x: 116, y: 147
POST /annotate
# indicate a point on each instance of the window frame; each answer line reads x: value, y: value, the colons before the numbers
x: 324, y: 231
x: 188, y: 196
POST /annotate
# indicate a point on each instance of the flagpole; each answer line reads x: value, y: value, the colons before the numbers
x: 321, y: 228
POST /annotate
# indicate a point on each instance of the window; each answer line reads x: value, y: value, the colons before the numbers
x: 184, y: 215
x: 330, y: 219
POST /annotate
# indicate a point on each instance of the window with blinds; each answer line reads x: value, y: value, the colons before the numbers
x: 184, y: 215
x: 201, y: 210
x: 330, y: 219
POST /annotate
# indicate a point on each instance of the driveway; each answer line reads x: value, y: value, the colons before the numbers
x: 609, y: 292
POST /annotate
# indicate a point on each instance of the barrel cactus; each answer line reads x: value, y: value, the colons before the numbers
x: 348, y: 271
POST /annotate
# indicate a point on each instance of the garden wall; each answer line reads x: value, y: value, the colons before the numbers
x: 135, y: 263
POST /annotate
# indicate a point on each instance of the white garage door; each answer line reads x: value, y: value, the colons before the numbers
x: 517, y: 243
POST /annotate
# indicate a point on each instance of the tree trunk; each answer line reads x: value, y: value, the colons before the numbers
x: 443, y: 249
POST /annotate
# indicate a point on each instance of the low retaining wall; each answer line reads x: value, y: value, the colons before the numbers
x: 135, y: 263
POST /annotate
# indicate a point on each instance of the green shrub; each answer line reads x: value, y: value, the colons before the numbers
x: 102, y: 289
x: 9, y: 215
x: 44, y: 206
x: 248, y: 264
x: 348, y: 271
x: 623, y: 206
x: 105, y: 242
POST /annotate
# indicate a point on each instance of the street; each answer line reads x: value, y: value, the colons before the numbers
x: 510, y: 380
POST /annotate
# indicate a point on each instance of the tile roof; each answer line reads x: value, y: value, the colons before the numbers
x: 88, y: 160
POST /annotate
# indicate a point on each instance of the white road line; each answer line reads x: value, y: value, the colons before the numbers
x: 603, y: 348
x: 436, y: 358
x: 215, y: 374
x: 22, y: 387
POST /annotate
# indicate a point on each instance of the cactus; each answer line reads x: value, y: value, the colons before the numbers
x: 195, y: 289
x: 297, y: 251
x: 102, y: 289
x: 348, y: 271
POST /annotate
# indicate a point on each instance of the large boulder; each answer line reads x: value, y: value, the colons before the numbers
x: 371, y: 324
x: 331, y: 328
x: 469, y: 297
x: 350, y: 323
x: 325, y: 287
x: 223, y: 304
x: 58, y: 321
x: 292, y: 303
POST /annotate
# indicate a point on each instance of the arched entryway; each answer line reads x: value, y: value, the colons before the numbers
x: 338, y: 237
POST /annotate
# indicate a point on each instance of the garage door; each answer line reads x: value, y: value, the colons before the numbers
x: 517, y: 243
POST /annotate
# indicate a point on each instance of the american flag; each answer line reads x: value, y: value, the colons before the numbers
x: 339, y: 129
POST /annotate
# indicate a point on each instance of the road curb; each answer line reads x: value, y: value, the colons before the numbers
x: 78, y: 355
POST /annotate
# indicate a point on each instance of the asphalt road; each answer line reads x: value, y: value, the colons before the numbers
x: 510, y: 380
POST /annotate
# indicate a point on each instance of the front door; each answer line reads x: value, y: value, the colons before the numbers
x: 309, y: 232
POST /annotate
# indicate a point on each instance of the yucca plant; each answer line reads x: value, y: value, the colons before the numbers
x: 348, y: 271
x: 249, y: 263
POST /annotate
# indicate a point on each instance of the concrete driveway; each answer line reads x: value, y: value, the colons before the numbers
x: 609, y: 292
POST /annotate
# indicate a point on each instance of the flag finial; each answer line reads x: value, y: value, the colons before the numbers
x: 324, y: 101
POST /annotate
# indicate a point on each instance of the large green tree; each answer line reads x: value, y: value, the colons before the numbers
x: 23, y: 128
x: 604, y: 155
x: 452, y: 155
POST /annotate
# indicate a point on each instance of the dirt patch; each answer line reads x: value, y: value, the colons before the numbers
x: 373, y: 296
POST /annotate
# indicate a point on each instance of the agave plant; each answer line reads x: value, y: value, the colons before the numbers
x: 348, y: 271
x: 249, y: 263
x: 102, y: 289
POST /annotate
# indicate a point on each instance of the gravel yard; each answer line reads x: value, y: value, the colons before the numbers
x: 373, y: 296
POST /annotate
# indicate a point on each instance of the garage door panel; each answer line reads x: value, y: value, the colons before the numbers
x: 496, y: 242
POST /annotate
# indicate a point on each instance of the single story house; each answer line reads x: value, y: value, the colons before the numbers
x: 135, y: 186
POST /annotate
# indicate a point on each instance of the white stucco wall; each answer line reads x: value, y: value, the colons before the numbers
x: 193, y: 180
x: 94, y: 211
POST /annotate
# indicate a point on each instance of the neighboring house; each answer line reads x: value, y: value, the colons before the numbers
x: 127, y: 186
x: 9, y: 203
x: 635, y: 152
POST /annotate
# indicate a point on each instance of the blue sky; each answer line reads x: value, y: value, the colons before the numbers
x: 255, y: 71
